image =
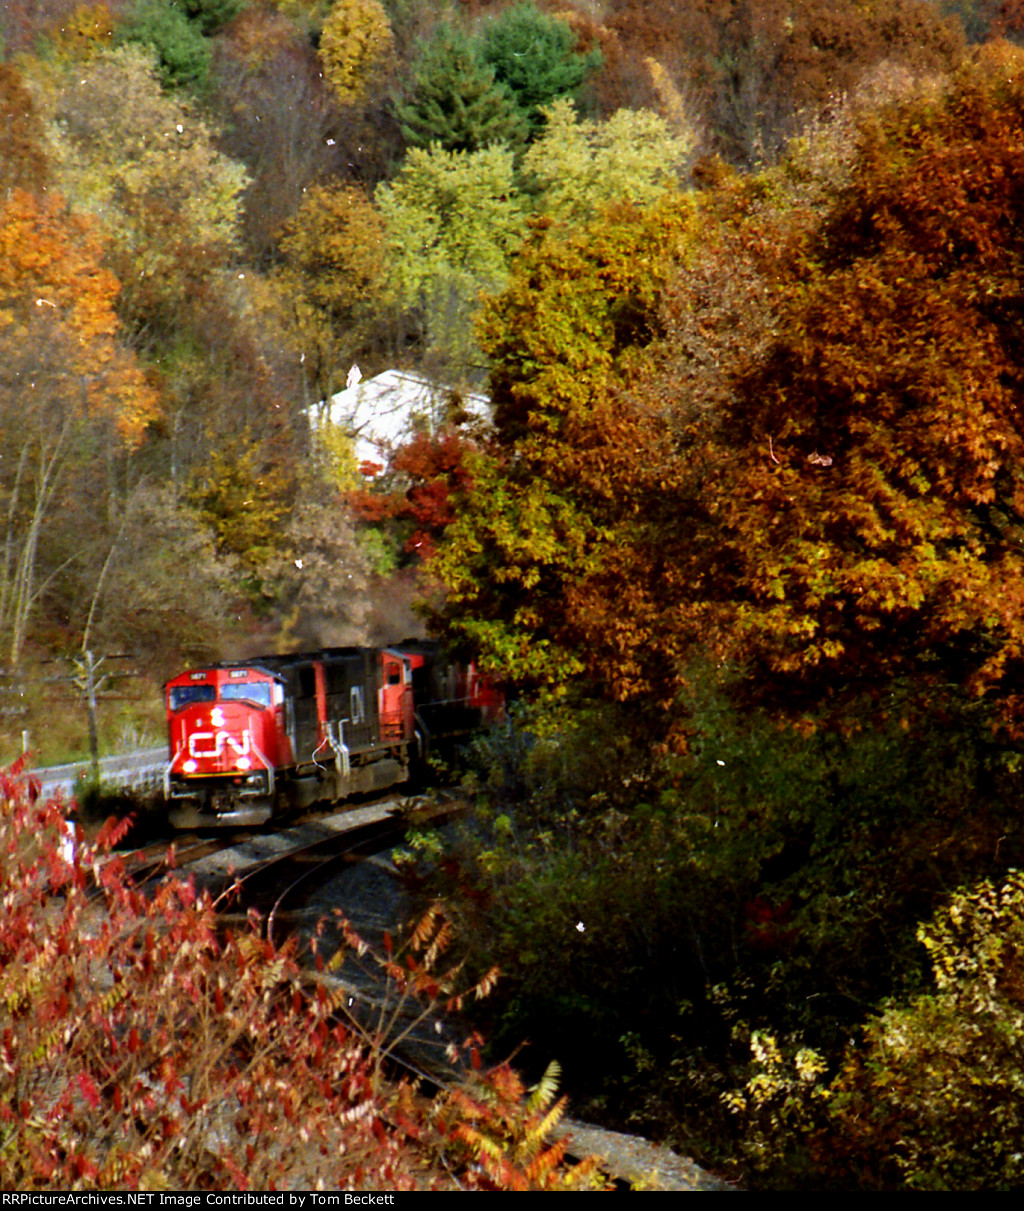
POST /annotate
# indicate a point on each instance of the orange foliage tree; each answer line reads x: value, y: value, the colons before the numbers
x: 51, y: 270
x: 567, y: 493
x: 65, y: 380
x: 760, y: 67
x: 796, y: 445
x: 869, y: 482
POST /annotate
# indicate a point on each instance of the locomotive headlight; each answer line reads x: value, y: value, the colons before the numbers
x: 243, y: 763
x: 190, y: 766
x: 217, y: 717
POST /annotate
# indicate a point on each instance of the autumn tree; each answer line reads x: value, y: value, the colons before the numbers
x: 760, y: 69
x: 148, y: 580
x: 147, y: 165
x: 575, y: 167
x: 66, y: 380
x: 354, y: 44
x: 775, y: 75
x: 1008, y: 22
x: 243, y: 495
x: 453, y: 219
x: 23, y: 159
x: 569, y: 489
x: 319, y: 575
x: 83, y: 33
x: 278, y: 118
x: 454, y: 99
x: 335, y: 258
x: 425, y: 479
x: 849, y: 493
x: 869, y: 485
x: 24, y: 24
x: 615, y: 351
x: 51, y: 269
x: 979, y: 18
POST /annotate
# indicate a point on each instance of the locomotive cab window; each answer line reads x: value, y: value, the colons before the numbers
x: 256, y: 692
x: 394, y: 674
x: 188, y: 695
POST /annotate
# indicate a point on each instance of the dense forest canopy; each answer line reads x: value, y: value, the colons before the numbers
x: 741, y: 278
x: 823, y: 399
x: 280, y: 191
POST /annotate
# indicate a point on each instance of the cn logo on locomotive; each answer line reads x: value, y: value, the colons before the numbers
x: 219, y: 740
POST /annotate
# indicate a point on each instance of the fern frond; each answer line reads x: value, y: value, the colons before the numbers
x: 442, y: 940
x: 539, y: 1131
x: 114, y: 831
x: 543, y: 1093
x: 545, y: 1163
x: 424, y: 929
x: 485, y: 986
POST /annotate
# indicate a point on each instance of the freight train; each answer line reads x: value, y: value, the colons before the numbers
x: 254, y: 739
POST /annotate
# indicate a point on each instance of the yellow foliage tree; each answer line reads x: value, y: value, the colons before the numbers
x: 335, y: 259
x: 243, y: 496
x: 355, y: 42
x: 147, y: 167
x: 79, y: 36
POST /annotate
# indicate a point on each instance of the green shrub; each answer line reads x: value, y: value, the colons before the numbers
x: 667, y: 911
x: 935, y: 1098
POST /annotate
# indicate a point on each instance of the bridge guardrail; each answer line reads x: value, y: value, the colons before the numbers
x: 141, y: 772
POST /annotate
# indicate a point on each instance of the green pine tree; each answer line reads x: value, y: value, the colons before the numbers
x: 455, y: 100
x: 212, y: 15
x: 183, y: 54
x: 535, y: 56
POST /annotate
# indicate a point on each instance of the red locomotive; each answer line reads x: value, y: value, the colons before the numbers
x: 256, y: 738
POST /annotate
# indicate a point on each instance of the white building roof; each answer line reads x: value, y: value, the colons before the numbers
x: 381, y: 413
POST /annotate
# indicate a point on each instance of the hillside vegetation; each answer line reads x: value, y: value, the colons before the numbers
x: 744, y: 539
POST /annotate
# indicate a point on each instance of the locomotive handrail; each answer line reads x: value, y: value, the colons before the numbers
x: 325, y: 742
x: 341, y: 749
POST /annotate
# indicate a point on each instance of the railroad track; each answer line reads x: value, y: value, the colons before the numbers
x: 152, y: 862
x: 283, y: 874
x: 413, y: 1034
x: 305, y: 880
x: 348, y: 904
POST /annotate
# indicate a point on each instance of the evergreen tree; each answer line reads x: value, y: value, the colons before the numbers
x: 212, y: 15
x: 182, y: 51
x: 455, y: 100
x: 534, y: 55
